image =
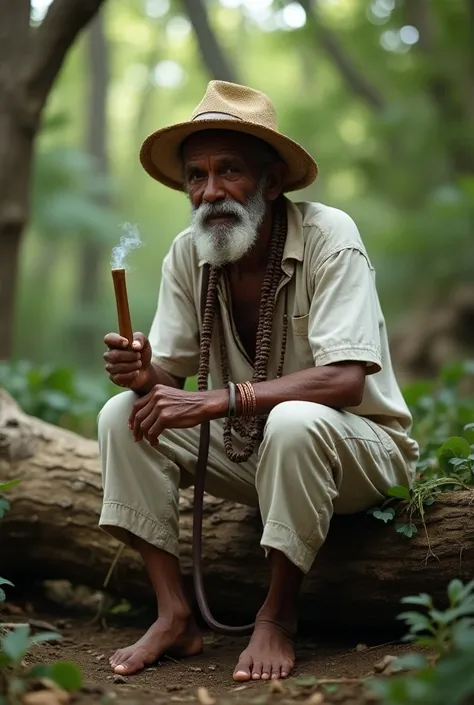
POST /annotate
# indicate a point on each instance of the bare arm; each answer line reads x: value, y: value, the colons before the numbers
x: 340, y: 385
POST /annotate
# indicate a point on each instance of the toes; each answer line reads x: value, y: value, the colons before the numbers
x: 131, y: 665
x: 276, y: 672
x: 286, y: 669
x: 243, y: 668
x: 266, y: 671
x: 257, y: 670
x: 117, y: 658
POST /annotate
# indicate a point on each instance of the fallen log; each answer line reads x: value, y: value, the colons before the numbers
x: 358, y: 579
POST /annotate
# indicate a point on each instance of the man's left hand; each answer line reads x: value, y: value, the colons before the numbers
x: 167, y: 407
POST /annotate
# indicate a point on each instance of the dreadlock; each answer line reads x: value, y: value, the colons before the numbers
x: 253, y: 432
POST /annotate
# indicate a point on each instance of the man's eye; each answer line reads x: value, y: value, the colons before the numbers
x: 194, y: 176
x: 231, y: 170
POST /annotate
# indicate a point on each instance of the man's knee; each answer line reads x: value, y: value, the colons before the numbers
x: 298, y: 421
x: 115, y: 413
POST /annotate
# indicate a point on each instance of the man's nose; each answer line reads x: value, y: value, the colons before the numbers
x: 214, y: 190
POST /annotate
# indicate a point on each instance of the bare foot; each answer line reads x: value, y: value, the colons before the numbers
x: 179, y: 637
x: 270, y: 653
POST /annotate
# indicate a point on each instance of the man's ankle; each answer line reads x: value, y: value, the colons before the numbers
x: 284, y: 619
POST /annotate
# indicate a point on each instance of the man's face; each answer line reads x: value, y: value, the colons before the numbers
x: 226, y: 187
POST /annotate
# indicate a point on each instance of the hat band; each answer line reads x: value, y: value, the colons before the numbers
x: 216, y: 116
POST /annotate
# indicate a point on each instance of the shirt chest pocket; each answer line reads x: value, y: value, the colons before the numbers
x: 303, y: 352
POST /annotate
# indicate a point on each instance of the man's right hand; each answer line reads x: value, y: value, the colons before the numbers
x: 128, y: 367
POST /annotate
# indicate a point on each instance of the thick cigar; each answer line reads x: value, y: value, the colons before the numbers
x: 121, y: 299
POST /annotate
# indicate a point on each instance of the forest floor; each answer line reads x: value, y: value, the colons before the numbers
x: 204, y: 679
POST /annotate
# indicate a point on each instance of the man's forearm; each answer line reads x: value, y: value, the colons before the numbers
x: 156, y: 375
x: 338, y: 386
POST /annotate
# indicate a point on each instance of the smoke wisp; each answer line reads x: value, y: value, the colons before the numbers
x: 129, y: 241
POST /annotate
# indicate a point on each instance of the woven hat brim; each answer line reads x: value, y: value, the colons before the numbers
x: 159, y: 154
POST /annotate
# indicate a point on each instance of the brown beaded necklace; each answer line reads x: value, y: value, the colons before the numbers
x: 253, y: 432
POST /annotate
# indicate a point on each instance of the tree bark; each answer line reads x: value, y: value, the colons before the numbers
x: 91, y: 251
x: 358, y: 579
x: 30, y: 60
x: 212, y: 53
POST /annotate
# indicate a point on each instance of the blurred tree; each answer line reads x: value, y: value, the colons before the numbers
x: 30, y: 60
x: 91, y: 250
x: 216, y: 61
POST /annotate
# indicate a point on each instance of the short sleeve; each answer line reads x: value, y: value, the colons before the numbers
x: 174, y: 334
x: 344, y: 314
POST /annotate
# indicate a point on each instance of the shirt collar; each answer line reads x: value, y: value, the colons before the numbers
x: 294, y: 245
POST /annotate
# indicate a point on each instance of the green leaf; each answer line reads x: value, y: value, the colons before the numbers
x: 4, y: 660
x: 4, y: 506
x: 45, y: 636
x: 416, y: 621
x: 454, y: 590
x: 455, y: 447
x: 330, y: 687
x: 469, y: 427
x: 410, y: 662
x: 423, y: 599
x: 15, y: 644
x: 384, y: 515
x: 8, y: 485
x: 67, y: 675
x: 398, y: 491
x: 41, y: 670
x: 408, y: 530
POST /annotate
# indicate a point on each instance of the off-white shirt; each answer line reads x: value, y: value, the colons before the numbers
x: 329, y: 295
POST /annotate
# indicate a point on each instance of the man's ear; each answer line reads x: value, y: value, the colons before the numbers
x: 276, y: 174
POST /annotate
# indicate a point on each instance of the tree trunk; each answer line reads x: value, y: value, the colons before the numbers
x: 91, y: 251
x: 212, y: 53
x: 358, y: 579
x: 30, y: 60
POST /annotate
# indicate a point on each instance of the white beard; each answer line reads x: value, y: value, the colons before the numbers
x: 224, y: 243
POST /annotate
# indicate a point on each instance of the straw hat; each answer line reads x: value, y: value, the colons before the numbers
x: 226, y: 106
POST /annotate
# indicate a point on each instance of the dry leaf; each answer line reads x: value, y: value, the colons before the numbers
x: 275, y: 686
x: 46, y: 697
x: 315, y: 699
x: 204, y: 696
x: 361, y: 647
x: 385, y: 665
x: 239, y: 687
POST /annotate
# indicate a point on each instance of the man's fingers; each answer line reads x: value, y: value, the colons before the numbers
x: 144, y: 418
x: 123, y: 368
x: 115, y: 355
x: 123, y: 380
x: 139, y: 341
x: 154, y: 432
x: 114, y: 340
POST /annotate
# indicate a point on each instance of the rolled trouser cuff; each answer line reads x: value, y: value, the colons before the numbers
x: 121, y: 521
x: 279, y: 537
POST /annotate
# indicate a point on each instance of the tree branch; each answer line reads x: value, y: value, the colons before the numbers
x: 212, y: 53
x: 63, y: 21
x: 356, y: 81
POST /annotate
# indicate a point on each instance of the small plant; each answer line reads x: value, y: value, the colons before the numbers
x: 439, y: 411
x: 4, y: 507
x: 16, y: 677
x: 447, y: 677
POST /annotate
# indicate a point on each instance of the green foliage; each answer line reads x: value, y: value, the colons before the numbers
x: 4, y: 507
x: 16, y: 677
x: 448, y: 677
x: 440, y: 410
x: 58, y: 395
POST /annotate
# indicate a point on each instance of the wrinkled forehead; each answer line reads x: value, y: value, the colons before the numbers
x: 208, y: 143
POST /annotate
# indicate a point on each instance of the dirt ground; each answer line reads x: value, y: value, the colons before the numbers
x: 341, y: 664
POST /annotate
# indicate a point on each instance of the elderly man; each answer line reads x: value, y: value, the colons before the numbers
x: 307, y: 419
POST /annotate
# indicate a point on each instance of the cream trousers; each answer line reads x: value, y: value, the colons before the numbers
x: 313, y: 461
